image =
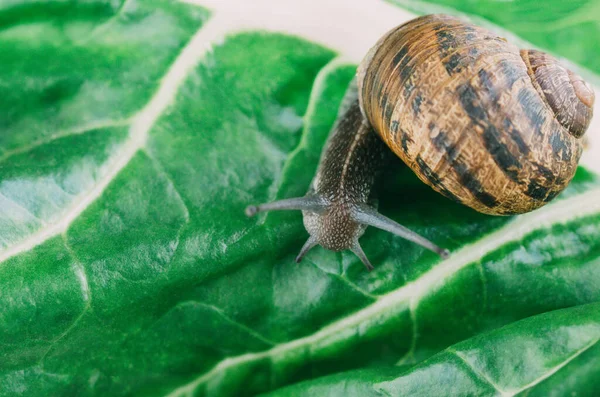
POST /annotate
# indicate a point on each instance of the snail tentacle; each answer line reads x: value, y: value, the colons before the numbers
x: 358, y: 251
x: 310, y: 243
x: 368, y: 216
x: 305, y: 203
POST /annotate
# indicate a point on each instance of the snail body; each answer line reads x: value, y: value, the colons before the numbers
x: 480, y: 121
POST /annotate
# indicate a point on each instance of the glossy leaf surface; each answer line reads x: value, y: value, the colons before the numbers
x: 555, y: 353
x: 130, y: 148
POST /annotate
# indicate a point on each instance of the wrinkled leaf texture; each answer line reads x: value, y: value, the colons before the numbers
x: 554, y: 353
x: 128, y: 268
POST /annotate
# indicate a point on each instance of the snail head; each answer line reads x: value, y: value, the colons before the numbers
x: 337, y: 225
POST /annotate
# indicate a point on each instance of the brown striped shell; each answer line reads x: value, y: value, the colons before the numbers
x: 482, y: 122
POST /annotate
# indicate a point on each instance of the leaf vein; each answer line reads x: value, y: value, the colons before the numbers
x: 164, y: 174
x: 242, y: 326
x: 388, y: 305
x: 142, y: 122
x: 80, y: 273
x: 63, y: 134
x: 556, y: 368
x: 26, y: 210
x: 478, y: 373
x: 344, y: 280
x: 409, y: 357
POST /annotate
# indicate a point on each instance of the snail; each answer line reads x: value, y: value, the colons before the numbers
x: 483, y: 123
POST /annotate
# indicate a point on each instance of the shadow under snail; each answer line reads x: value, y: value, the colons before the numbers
x: 483, y: 123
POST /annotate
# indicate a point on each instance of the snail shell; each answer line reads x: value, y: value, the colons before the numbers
x: 480, y: 121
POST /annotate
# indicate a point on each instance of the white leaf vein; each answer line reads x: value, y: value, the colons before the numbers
x: 388, y: 305
x: 141, y: 124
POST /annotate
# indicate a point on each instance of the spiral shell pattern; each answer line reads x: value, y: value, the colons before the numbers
x: 479, y: 120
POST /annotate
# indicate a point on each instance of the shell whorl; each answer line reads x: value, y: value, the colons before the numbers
x: 568, y: 95
x: 470, y: 116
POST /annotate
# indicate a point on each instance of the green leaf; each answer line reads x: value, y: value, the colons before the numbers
x: 133, y: 136
x: 73, y: 75
x: 555, y: 353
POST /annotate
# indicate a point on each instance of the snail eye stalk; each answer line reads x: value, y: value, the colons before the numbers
x: 298, y: 203
x: 370, y: 217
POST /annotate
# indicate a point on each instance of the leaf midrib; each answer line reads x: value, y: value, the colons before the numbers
x: 141, y: 124
x: 388, y: 305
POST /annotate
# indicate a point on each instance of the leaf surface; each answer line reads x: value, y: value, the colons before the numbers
x: 128, y: 266
x: 555, y: 353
